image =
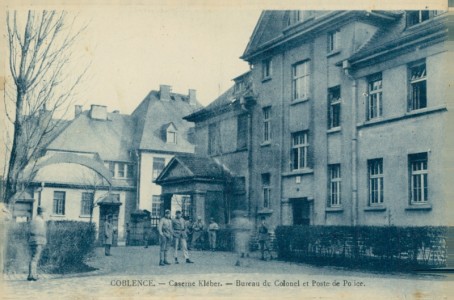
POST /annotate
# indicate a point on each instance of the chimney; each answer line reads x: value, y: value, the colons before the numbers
x: 192, y: 97
x: 98, y: 112
x: 77, y: 110
x: 164, y: 92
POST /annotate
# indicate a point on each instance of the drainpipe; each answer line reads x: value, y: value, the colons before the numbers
x: 281, y: 146
x: 354, y: 144
x: 138, y: 159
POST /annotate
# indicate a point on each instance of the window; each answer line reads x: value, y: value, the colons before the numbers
x: 418, y: 93
x: 417, y: 16
x: 418, y: 177
x: 375, y: 172
x: 266, y: 190
x: 334, y: 100
x: 300, y: 147
x: 158, y: 165
x: 266, y: 68
x: 186, y: 207
x: 121, y: 170
x: 111, y: 166
x: 171, y: 137
x: 299, y: 16
x: 242, y: 128
x: 374, y: 101
x: 334, y: 41
x: 213, y: 139
x: 86, y: 203
x: 155, y: 210
x: 59, y: 203
x: 267, y: 124
x: 300, y: 81
x: 334, y: 185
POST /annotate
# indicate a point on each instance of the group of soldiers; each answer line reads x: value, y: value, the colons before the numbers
x: 176, y: 231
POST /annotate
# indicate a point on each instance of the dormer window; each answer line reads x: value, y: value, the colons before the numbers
x: 299, y: 16
x: 418, y: 16
x: 170, y: 134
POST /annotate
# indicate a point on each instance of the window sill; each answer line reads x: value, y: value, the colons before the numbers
x: 375, y: 208
x: 334, y: 129
x: 334, y: 209
x: 57, y: 216
x: 419, y: 207
x: 266, y: 79
x: 265, y: 144
x: 306, y: 171
x: 84, y: 216
x: 297, y: 101
x: 411, y: 114
x: 333, y: 53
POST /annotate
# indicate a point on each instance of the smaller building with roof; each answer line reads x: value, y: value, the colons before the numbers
x: 104, y: 163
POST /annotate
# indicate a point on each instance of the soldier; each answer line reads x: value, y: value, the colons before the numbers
x: 263, y: 237
x: 242, y: 229
x: 37, y: 240
x: 212, y: 232
x: 108, y: 235
x: 180, y: 235
x: 165, y: 237
x: 197, y: 233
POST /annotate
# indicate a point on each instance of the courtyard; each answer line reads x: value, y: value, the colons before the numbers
x: 133, y: 273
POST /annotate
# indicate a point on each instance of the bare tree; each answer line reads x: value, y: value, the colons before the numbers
x: 40, y: 51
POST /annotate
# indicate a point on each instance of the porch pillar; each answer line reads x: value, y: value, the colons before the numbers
x: 198, y: 204
x: 287, y: 213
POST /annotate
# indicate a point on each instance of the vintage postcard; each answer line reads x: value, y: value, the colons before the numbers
x: 202, y: 149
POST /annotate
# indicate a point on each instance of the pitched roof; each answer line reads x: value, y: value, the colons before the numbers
x: 114, y: 138
x: 159, y: 112
x: 191, y: 166
x: 397, y: 34
x: 273, y: 29
x: 111, y: 138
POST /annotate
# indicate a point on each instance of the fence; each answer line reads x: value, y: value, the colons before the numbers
x: 373, y: 247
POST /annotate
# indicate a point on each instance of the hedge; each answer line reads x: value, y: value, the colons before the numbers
x: 68, y: 245
x: 386, y: 247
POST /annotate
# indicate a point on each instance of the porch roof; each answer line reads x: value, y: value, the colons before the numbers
x: 193, y: 167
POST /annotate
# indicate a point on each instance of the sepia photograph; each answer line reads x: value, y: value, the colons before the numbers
x: 201, y: 149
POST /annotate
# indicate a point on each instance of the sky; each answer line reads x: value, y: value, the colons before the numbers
x: 133, y: 50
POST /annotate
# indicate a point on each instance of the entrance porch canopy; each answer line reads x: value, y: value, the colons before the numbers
x: 196, y: 176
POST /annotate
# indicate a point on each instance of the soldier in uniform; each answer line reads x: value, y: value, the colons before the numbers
x: 37, y: 240
x: 180, y: 235
x: 108, y: 235
x: 212, y: 232
x: 197, y: 234
x: 165, y: 237
x: 264, y: 238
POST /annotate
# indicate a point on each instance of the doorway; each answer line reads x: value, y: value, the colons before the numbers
x: 104, y: 211
x: 301, y: 211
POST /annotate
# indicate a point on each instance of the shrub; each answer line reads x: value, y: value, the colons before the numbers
x: 68, y: 244
x: 385, y: 247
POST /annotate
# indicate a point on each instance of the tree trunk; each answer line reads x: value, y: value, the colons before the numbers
x: 14, y: 160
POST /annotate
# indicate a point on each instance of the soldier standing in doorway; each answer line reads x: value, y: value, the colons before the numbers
x: 108, y: 235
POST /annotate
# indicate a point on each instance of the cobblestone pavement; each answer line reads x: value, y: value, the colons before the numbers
x: 133, y: 272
